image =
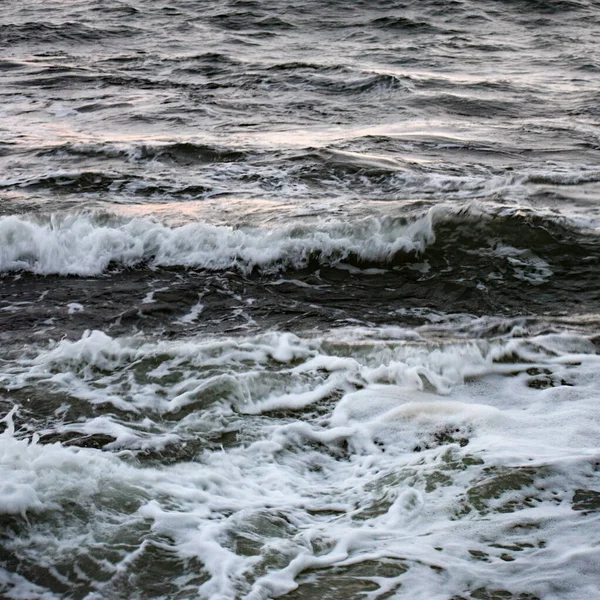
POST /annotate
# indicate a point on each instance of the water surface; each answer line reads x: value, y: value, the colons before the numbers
x: 299, y: 301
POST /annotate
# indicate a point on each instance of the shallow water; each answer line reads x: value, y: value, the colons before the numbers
x: 299, y: 301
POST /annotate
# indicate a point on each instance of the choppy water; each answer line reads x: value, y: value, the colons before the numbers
x: 300, y: 301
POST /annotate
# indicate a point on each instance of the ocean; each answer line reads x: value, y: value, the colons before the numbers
x: 300, y: 300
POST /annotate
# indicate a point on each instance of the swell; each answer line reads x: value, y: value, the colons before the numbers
x: 552, y: 7
x: 250, y: 20
x: 405, y: 25
x: 368, y: 168
x: 367, y: 154
x: 532, y: 245
x: 221, y: 75
x: 178, y: 152
x: 69, y: 31
x: 94, y: 182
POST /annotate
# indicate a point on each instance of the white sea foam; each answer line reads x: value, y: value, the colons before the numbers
x: 75, y: 307
x: 193, y: 315
x: 84, y: 244
x: 454, y: 464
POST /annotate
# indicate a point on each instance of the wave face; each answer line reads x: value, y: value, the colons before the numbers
x: 299, y: 300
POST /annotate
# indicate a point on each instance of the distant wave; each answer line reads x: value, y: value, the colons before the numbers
x: 178, y: 152
x: 189, y: 169
x: 36, y: 32
x: 74, y: 182
x: 405, y: 24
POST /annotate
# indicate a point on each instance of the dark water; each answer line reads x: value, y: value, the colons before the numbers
x: 299, y: 300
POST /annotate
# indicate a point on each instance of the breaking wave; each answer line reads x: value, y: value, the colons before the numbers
x: 89, y: 243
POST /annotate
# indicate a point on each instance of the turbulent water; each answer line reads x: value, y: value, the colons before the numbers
x: 300, y: 300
